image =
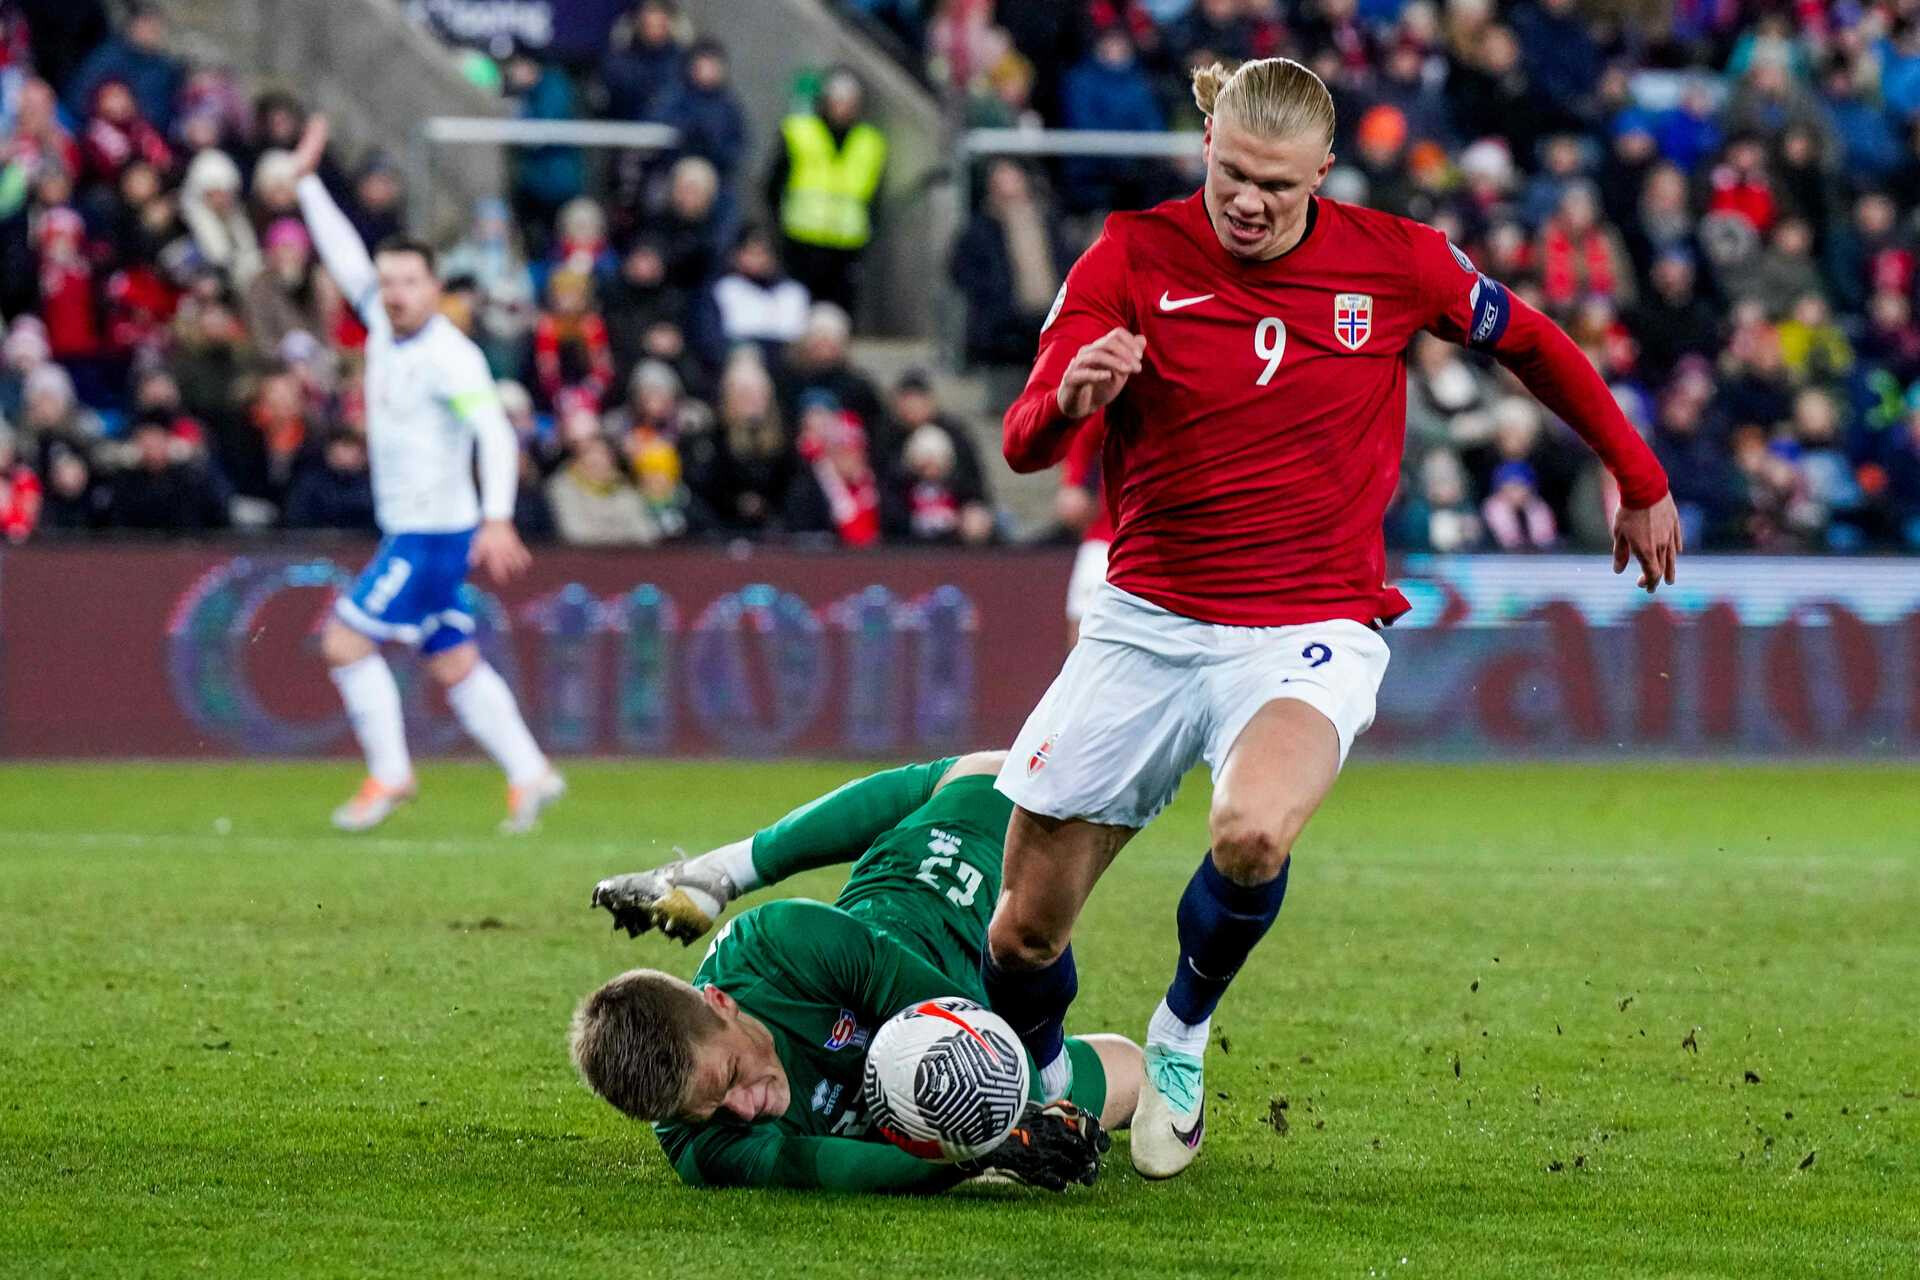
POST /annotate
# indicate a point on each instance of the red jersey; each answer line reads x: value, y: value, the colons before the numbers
x: 1249, y: 464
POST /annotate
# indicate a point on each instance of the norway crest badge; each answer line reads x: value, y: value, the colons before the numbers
x: 1352, y: 319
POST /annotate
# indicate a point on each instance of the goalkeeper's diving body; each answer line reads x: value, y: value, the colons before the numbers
x: 752, y: 1072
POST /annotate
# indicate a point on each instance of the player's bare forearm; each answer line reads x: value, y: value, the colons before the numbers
x: 498, y: 550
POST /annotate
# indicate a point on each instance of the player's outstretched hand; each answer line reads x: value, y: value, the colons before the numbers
x: 678, y: 900
x: 497, y: 549
x: 1053, y: 1147
x: 1099, y: 371
x: 1652, y: 536
x: 312, y: 145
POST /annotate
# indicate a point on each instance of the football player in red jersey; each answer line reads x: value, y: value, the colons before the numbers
x: 1245, y: 347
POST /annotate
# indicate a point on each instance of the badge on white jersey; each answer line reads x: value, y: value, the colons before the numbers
x: 1352, y: 319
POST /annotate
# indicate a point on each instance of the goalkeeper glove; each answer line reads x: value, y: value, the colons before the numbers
x: 1052, y: 1147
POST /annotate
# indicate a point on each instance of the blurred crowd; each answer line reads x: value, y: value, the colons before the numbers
x: 1720, y: 199
x: 175, y: 360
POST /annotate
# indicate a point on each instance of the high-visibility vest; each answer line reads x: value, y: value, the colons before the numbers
x: 829, y: 189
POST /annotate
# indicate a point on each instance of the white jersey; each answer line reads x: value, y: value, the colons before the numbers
x: 430, y: 400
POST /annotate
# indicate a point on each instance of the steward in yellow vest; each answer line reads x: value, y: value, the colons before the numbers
x: 826, y: 173
x: 830, y: 186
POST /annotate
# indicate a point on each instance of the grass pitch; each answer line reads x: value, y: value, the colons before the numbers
x: 1513, y: 1022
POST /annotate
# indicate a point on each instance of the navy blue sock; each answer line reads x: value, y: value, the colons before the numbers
x: 1033, y: 1001
x: 1220, y: 922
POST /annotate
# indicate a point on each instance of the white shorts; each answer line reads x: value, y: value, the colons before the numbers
x: 1089, y: 575
x: 1146, y: 694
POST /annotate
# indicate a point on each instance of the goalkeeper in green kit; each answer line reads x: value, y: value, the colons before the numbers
x: 751, y: 1073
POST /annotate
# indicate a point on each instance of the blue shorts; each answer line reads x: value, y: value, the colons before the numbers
x: 410, y: 592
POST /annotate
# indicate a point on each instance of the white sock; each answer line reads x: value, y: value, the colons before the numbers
x: 1169, y: 1032
x: 490, y: 716
x: 735, y: 861
x: 1056, y: 1078
x: 373, y: 708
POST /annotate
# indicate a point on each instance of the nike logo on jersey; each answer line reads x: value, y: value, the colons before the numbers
x: 1174, y: 304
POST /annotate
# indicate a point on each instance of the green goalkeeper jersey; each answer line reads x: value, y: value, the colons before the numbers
x: 909, y: 925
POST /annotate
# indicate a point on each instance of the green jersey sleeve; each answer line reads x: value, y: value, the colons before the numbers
x: 762, y: 1156
x: 838, y: 826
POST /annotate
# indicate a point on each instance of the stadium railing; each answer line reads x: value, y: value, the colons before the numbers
x: 488, y: 131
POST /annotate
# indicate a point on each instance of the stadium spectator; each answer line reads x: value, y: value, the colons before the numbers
x: 742, y: 468
x: 1008, y: 264
x: 756, y: 301
x: 52, y: 416
x: 639, y: 299
x: 72, y: 502
x: 20, y: 490
x: 138, y: 57
x: 277, y: 412
x: 332, y: 488
x: 1515, y: 513
x: 273, y: 190
x: 166, y: 488
x: 36, y: 141
x: 216, y: 218
x: 1449, y: 399
x: 821, y: 361
x: 545, y: 178
x: 670, y: 504
x: 580, y: 243
x: 378, y: 208
x: 116, y: 136
x: 24, y: 350
x: 281, y: 297
x: 1812, y: 346
x: 644, y: 62
x: 1903, y: 480
x: 824, y: 179
x: 490, y: 257
x: 655, y: 405
x: 1891, y: 341
x: 689, y: 226
x: 1109, y: 89
x: 592, y: 503
x: 913, y: 405
x: 67, y: 299
x: 1579, y: 256
x: 157, y: 394
x: 1833, y: 494
x: 570, y: 347
x: 834, y: 490
x: 926, y: 500
x: 1672, y: 320
x: 708, y: 114
x: 1492, y: 94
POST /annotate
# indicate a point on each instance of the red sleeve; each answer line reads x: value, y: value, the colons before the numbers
x: 1081, y: 468
x: 1467, y: 306
x: 1092, y: 302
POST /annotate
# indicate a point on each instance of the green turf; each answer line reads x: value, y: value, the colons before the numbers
x: 1515, y: 1022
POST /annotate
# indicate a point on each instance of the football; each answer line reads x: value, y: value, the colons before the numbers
x: 946, y: 1079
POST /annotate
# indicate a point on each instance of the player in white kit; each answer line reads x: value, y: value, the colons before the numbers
x: 430, y: 406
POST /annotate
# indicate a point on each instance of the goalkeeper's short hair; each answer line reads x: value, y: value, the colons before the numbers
x: 633, y: 1041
